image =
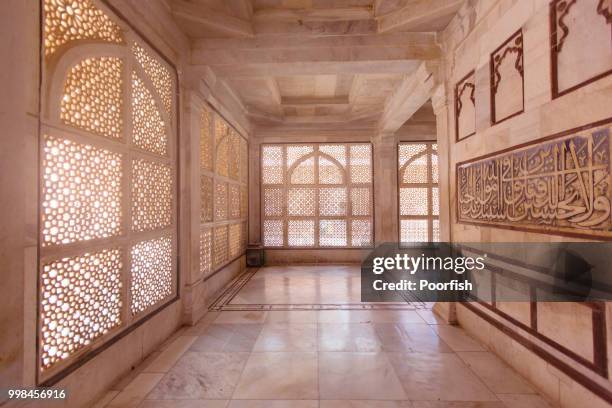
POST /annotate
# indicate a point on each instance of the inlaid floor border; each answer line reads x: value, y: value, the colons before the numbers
x: 223, y: 301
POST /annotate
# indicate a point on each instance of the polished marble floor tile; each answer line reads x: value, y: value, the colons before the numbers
x: 184, y: 404
x: 364, y: 404
x: 355, y: 376
x: 279, y: 375
x: 348, y: 337
x: 347, y: 358
x: 253, y: 317
x: 438, y: 376
x: 292, y: 316
x: 523, y: 401
x: 457, y: 339
x: 420, y: 338
x: 201, y: 376
x: 287, y: 337
x: 495, y: 373
x: 228, y: 337
x: 458, y: 404
x: 134, y: 392
x: 274, y: 404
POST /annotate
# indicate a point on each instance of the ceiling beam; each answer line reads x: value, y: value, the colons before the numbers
x: 316, y: 68
x: 413, y: 92
x: 318, y: 101
x: 295, y: 49
x: 315, y: 14
x: 416, y: 13
x: 223, y: 23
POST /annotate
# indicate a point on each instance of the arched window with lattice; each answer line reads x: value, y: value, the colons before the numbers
x: 418, y: 192
x: 317, y: 195
x: 108, y: 198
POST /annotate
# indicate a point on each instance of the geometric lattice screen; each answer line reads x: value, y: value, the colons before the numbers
x: 317, y: 195
x: 419, y: 207
x: 108, y: 182
x: 223, y: 192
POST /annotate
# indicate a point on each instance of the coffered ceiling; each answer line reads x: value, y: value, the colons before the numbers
x: 298, y: 62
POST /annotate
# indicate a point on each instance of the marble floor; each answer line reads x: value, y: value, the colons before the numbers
x: 320, y: 358
x: 302, y: 288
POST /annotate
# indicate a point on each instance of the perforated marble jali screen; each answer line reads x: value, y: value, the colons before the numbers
x: 419, y: 206
x: 317, y: 195
x: 108, y: 182
x: 223, y: 192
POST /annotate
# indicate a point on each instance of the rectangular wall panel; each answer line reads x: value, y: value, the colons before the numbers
x: 559, y: 185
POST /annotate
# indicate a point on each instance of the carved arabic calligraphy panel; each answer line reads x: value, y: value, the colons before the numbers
x: 559, y: 186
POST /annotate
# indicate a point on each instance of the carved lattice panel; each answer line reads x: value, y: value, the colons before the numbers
x: 206, y: 198
x: 360, y: 201
x: 507, y: 72
x: 299, y: 152
x: 273, y: 233
x: 361, y: 163
x: 272, y: 165
x: 222, y: 146
x: 330, y: 172
x: 418, y: 192
x: 68, y: 21
x: 92, y: 99
x: 435, y: 201
x: 580, y: 43
x: 206, y: 140
x: 234, y: 201
x: 221, y: 209
x: 81, y: 192
x: 434, y: 163
x: 414, y: 231
x: 304, y: 172
x: 148, y: 129
x: 414, y: 157
x: 244, y: 161
x: 361, y: 232
x: 301, y: 202
x: 80, y: 301
x: 557, y: 186
x: 151, y: 273
x: 205, y: 251
x: 152, y: 192
x: 158, y: 74
x: 244, y: 201
x: 234, y: 156
x: 224, y: 166
x: 274, y: 202
x: 314, y: 181
x: 332, y: 233
x: 414, y: 201
x: 220, y: 248
x: 332, y: 201
x: 301, y: 233
x: 234, y: 240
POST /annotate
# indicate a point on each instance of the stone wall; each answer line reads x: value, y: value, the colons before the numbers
x: 522, y: 88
